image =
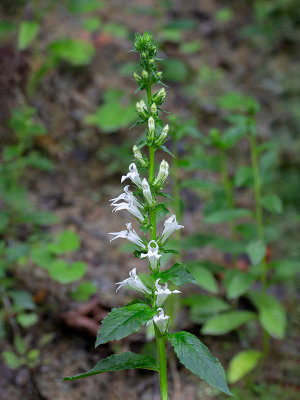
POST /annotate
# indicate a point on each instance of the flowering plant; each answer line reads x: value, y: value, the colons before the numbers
x: 143, y: 204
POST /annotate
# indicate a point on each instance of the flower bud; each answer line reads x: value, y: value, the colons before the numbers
x: 138, y: 155
x: 151, y: 61
x: 144, y: 55
x: 163, y: 134
x: 151, y: 128
x: 142, y: 109
x: 162, y: 174
x: 159, y: 75
x: 160, y: 96
x: 137, y: 78
x: 153, y: 110
x: 145, y: 75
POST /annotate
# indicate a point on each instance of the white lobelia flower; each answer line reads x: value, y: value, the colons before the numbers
x: 131, y: 208
x: 126, y: 196
x: 134, y: 282
x: 152, y: 254
x: 147, y: 192
x: 160, y: 320
x: 162, y: 173
x: 151, y: 128
x: 133, y: 175
x: 129, y: 234
x: 171, y: 225
x: 162, y: 293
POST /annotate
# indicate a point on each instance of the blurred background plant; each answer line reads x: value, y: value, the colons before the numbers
x: 64, y: 141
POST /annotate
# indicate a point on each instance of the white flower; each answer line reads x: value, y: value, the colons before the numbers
x: 162, y: 173
x: 163, y: 134
x: 153, y: 110
x: 134, y: 282
x: 142, y: 109
x: 126, y: 196
x: 139, y: 156
x: 131, y: 208
x: 160, y: 96
x: 151, y: 128
x: 162, y: 293
x: 171, y: 225
x: 147, y: 192
x: 133, y: 175
x: 152, y: 254
x: 129, y: 234
x: 160, y: 320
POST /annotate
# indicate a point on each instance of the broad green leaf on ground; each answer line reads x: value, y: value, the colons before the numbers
x: 236, y: 101
x: 74, y: 51
x: 113, y: 114
x: 271, y: 314
x: 41, y: 256
x: 224, y: 323
x: 118, y: 362
x: 242, y: 363
x: 28, y: 31
x: 65, y: 273
x: 272, y: 203
x: 204, y: 306
x: 190, y: 47
x: 174, y: 70
x: 196, y: 357
x: 116, y: 30
x: 123, y: 321
x: 65, y: 242
x: 27, y: 319
x: 256, y: 250
x: 84, y: 291
x: 12, y: 360
x: 237, y: 283
x: 221, y: 216
x: 204, y: 277
x: 284, y: 269
x: 84, y: 6
x: 178, y: 274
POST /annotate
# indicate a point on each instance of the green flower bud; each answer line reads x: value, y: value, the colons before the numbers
x: 138, y: 155
x: 141, y: 109
x: 163, y: 134
x: 137, y: 78
x: 160, y: 96
x: 151, y: 128
x: 153, y: 110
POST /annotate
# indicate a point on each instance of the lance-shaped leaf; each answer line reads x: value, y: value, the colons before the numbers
x: 196, y: 357
x: 224, y: 323
x: 243, y: 363
x: 123, y: 321
x: 118, y: 362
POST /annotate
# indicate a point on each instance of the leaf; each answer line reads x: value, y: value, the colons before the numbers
x: 190, y: 47
x: 243, y: 176
x: 12, y: 360
x: 224, y: 323
x: 74, y: 51
x: 174, y: 70
x: 178, y: 274
x: 84, y: 291
x: 196, y: 357
x: 20, y: 345
x: 123, y: 321
x: 166, y: 150
x: 221, y: 216
x: 27, y: 319
x: 118, y: 362
x: 197, y: 184
x: 271, y: 314
x: 237, y: 283
x: 28, y: 31
x: 272, y: 203
x: 22, y: 300
x: 242, y: 363
x: 65, y: 242
x: 203, y: 306
x: 204, y: 277
x: 84, y: 6
x: 161, y: 211
x: 256, y: 251
x: 65, y: 273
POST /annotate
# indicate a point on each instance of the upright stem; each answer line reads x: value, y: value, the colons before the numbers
x: 160, y: 341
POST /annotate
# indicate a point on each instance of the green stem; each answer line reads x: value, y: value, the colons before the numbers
x: 160, y: 341
x: 161, y: 348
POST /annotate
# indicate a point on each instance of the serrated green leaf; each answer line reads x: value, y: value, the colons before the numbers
x: 28, y: 31
x: 177, y: 274
x: 272, y: 203
x: 271, y: 314
x: 204, y: 277
x: 118, y: 362
x: 221, y: 216
x: 243, y: 363
x: 256, y: 250
x: 123, y: 321
x: 65, y: 273
x: 196, y: 357
x: 237, y: 283
x: 224, y: 323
